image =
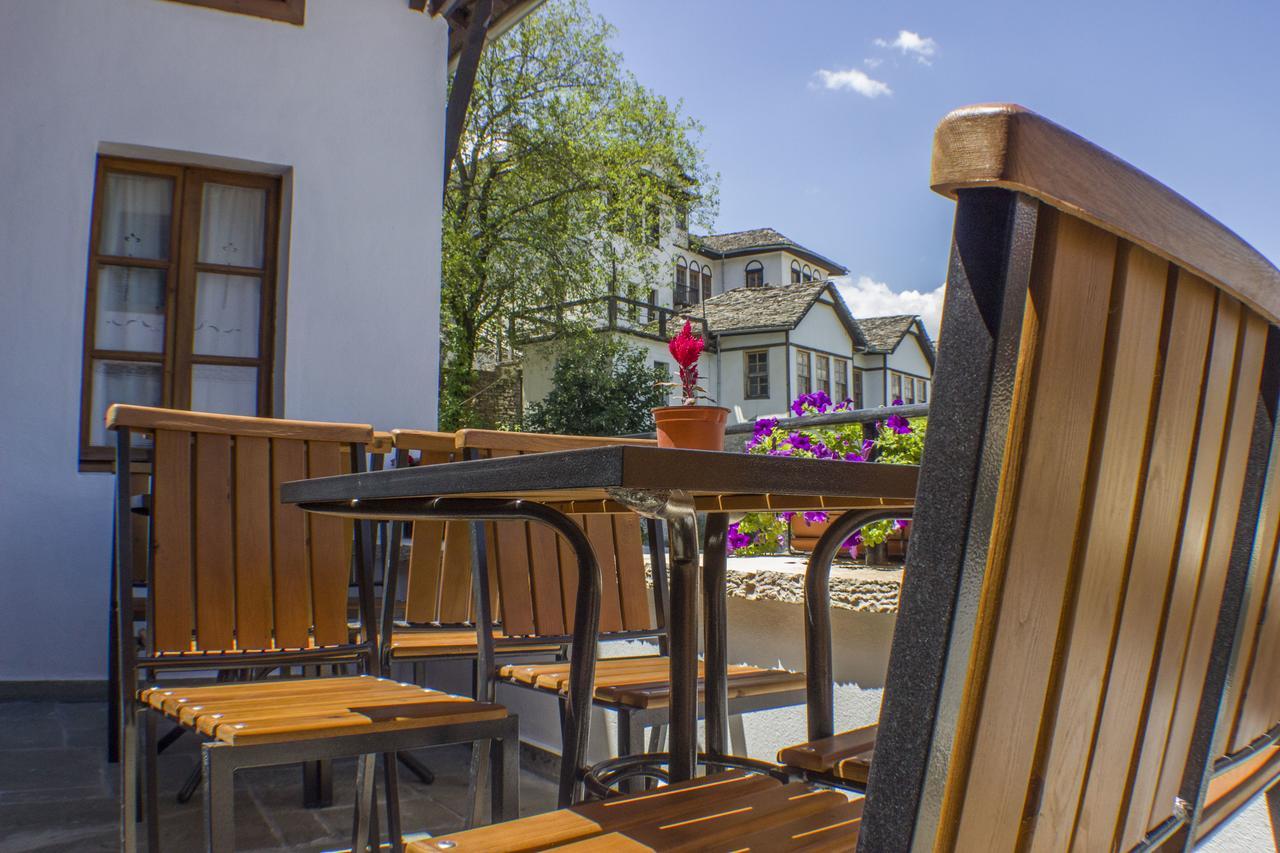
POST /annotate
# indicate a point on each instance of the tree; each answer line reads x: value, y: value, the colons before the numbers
x: 600, y: 386
x: 566, y: 170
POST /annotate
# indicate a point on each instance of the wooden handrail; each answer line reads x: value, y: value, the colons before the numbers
x: 1006, y: 145
x: 530, y: 442
x: 150, y: 419
x: 421, y: 439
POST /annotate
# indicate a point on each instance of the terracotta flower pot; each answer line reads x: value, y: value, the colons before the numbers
x: 691, y: 427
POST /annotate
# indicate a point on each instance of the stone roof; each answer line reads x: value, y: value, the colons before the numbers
x: 884, y: 333
x: 758, y: 308
x: 760, y: 239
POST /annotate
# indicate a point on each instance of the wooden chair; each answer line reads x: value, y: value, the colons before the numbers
x: 240, y: 583
x: 532, y: 577
x: 1086, y: 649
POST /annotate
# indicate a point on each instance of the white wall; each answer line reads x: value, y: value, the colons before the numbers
x: 350, y: 107
x: 909, y: 358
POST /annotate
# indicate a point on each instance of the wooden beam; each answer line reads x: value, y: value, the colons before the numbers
x: 464, y: 80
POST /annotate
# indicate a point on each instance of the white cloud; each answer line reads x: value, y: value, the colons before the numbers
x: 912, y: 44
x: 852, y: 78
x: 872, y: 62
x: 870, y: 298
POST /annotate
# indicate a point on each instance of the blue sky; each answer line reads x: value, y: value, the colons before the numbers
x: 839, y: 161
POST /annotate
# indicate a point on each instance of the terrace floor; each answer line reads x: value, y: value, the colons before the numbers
x: 58, y: 793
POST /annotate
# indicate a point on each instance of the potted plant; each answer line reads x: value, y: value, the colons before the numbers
x: 690, y: 426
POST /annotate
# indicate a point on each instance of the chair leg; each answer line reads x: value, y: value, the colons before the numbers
x: 365, y: 805
x: 219, y: 798
x: 317, y: 784
x: 416, y: 767
x: 391, y: 786
x: 630, y: 737
x: 113, y: 686
x: 737, y: 735
x: 128, y: 757
x: 151, y: 809
x: 480, y: 753
x: 657, y: 737
x: 504, y: 776
x: 1273, y: 812
x: 188, y: 789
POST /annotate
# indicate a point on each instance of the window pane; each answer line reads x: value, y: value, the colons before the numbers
x: 226, y: 389
x: 121, y: 382
x: 227, y: 312
x: 130, y: 310
x: 136, y: 212
x: 232, y: 225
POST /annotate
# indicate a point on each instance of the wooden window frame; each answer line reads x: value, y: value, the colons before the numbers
x: 795, y: 272
x: 922, y: 390
x: 754, y: 267
x: 855, y: 385
x: 804, y: 378
x: 840, y: 371
x: 822, y: 363
x: 706, y: 282
x: 748, y: 375
x: 894, y: 376
x: 288, y: 11
x: 181, y: 271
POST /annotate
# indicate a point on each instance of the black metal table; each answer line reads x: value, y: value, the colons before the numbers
x: 672, y: 485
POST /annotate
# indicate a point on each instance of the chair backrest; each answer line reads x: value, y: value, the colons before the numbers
x: 1088, y: 506
x: 231, y: 567
x: 532, y: 573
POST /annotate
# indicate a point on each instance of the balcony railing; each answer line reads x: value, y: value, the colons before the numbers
x: 610, y: 313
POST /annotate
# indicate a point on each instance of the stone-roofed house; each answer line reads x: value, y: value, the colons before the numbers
x: 776, y: 326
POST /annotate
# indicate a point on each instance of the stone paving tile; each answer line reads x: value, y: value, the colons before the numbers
x: 52, y: 770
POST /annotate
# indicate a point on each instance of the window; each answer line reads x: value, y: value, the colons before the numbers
x: 908, y: 390
x: 795, y: 272
x: 653, y: 305
x: 808, y: 273
x: 682, y: 291
x: 289, y: 11
x: 856, y: 396
x: 181, y: 293
x: 804, y: 378
x: 841, y: 380
x: 682, y: 215
x: 757, y: 374
x: 706, y: 282
x: 922, y: 391
x: 824, y: 374
x: 755, y: 274
x: 895, y: 387
x: 653, y: 224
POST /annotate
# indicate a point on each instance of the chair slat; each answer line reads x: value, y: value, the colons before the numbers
x: 422, y: 587
x: 1214, y: 423
x: 289, y: 547
x: 254, y: 610
x: 568, y: 576
x: 600, y: 533
x: 1133, y: 372
x: 511, y: 560
x: 1151, y: 559
x: 330, y: 548
x: 1036, y: 515
x: 455, y: 583
x: 633, y: 592
x: 172, y: 580
x: 1213, y: 571
x: 214, y: 547
x: 544, y: 558
x: 1257, y: 704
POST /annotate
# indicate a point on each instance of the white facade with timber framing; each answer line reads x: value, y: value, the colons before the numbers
x: 205, y: 203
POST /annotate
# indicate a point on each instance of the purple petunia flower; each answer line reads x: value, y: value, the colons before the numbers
x: 787, y: 516
x: 898, y: 424
x: 815, y: 517
x: 800, y: 441
x: 738, y: 540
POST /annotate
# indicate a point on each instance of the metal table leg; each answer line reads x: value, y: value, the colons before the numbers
x: 716, y: 651
x: 817, y: 615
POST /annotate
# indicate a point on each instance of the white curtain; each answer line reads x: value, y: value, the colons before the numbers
x: 136, y: 214
x: 227, y: 312
x: 130, y: 310
x: 231, y: 225
x: 227, y: 389
x: 121, y: 382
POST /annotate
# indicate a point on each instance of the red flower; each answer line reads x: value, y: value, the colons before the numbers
x: 686, y: 346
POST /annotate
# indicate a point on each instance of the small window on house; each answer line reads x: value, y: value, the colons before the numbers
x: 289, y: 11
x: 804, y: 375
x: 895, y: 387
x: 824, y: 374
x: 653, y: 305
x: 908, y: 390
x: 795, y: 272
x: 682, y: 283
x: 682, y: 215
x: 181, y: 293
x: 653, y: 223
x: 840, y: 379
x: 922, y: 391
x: 755, y: 274
x: 706, y: 282
x: 757, y: 383
x: 808, y: 273
x: 856, y: 396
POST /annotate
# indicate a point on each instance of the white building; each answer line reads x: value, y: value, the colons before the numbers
x: 776, y: 327
x: 204, y: 204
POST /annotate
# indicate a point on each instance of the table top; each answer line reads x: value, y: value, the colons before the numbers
x: 577, y: 481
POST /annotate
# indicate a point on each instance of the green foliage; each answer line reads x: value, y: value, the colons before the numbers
x: 562, y: 173
x: 768, y: 533
x: 600, y: 386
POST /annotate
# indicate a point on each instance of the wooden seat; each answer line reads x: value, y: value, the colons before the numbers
x: 725, y: 811
x: 452, y: 642
x: 845, y: 756
x: 300, y: 709
x: 642, y: 682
